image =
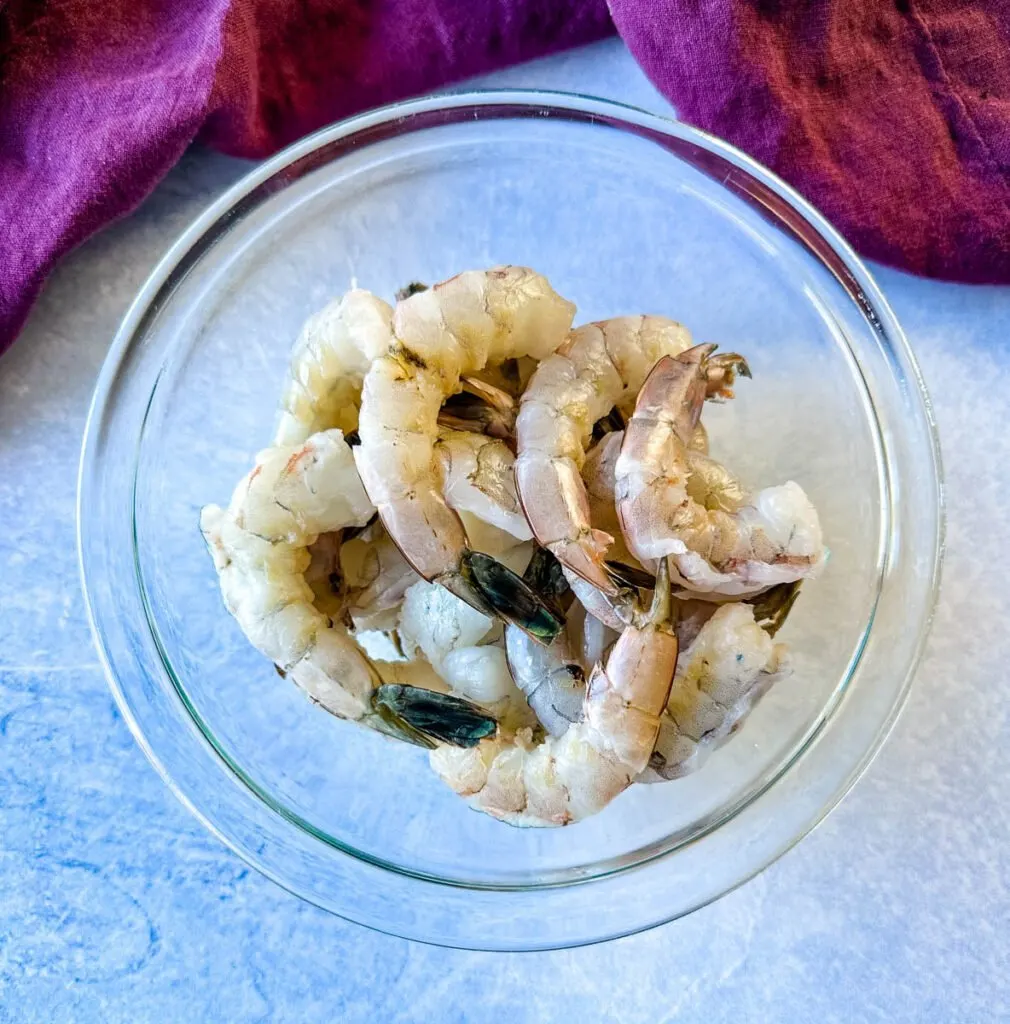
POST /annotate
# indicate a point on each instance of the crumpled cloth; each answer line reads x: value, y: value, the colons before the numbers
x: 892, y: 116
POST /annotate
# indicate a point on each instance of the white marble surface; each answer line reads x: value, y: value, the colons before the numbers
x: 116, y: 906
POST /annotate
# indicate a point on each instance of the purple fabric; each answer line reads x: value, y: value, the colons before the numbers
x: 94, y: 109
x: 99, y: 98
x: 893, y: 117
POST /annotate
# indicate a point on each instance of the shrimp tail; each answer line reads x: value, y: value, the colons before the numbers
x: 429, y: 717
x: 480, y: 407
x: 630, y: 576
x: 511, y: 597
x: 546, y: 576
x: 773, y: 606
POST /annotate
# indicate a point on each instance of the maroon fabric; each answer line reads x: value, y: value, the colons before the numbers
x: 893, y: 116
x: 98, y: 98
x: 290, y: 68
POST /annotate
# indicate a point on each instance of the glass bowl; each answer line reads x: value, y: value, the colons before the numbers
x: 625, y: 212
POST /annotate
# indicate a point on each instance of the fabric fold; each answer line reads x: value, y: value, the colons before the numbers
x: 892, y: 117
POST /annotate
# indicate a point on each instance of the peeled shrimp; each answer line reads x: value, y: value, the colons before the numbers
x: 477, y: 478
x: 454, y: 328
x: 551, y: 677
x: 568, y: 777
x: 708, y: 482
x: 602, y: 365
x: 727, y: 668
x: 328, y: 364
x: 454, y: 639
x: 375, y: 576
x: 740, y: 547
x: 260, y: 545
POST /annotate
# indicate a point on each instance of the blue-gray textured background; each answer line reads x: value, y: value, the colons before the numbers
x: 116, y: 906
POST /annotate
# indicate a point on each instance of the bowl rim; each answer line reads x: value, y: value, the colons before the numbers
x: 533, y: 101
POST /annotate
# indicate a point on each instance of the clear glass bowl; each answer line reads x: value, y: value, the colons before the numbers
x: 625, y: 212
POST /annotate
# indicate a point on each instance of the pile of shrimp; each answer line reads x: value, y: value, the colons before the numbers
x: 486, y: 533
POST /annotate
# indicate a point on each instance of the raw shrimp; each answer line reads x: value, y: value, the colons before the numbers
x: 477, y: 477
x: 260, y: 546
x: 708, y: 483
x: 457, y: 327
x: 602, y: 365
x: 732, y: 547
x: 376, y: 577
x: 551, y: 677
x: 477, y: 481
x: 727, y: 668
x: 454, y: 638
x: 328, y: 364
x: 566, y: 778
x: 332, y: 355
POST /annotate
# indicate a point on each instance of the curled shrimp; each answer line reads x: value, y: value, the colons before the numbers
x: 744, y: 546
x: 260, y: 545
x: 261, y: 549
x: 328, y: 364
x: 332, y: 354
x: 708, y: 482
x: 569, y: 777
x: 721, y: 674
x: 600, y: 366
x: 457, y: 327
